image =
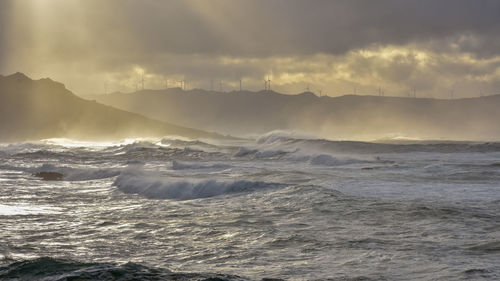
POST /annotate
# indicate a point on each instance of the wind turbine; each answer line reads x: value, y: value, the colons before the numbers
x: 269, y: 83
x: 142, y: 79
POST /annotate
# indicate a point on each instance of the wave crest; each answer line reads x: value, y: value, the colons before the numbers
x: 163, y: 188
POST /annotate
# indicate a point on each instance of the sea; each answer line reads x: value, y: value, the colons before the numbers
x: 281, y: 206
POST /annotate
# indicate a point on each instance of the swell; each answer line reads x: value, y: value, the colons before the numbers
x: 46, y: 268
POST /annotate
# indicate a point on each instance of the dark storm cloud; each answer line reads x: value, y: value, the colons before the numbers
x: 279, y: 27
x: 285, y: 27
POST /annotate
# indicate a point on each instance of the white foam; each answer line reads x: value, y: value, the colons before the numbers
x: 72, y: 143
x: 26, y: 209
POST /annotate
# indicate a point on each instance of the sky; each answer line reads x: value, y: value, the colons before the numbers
x: 430, y: 48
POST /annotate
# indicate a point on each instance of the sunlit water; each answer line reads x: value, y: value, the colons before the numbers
x: 276, y: 207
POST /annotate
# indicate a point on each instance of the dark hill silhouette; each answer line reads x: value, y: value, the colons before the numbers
x: 36, y: 109
x: 345, y: 117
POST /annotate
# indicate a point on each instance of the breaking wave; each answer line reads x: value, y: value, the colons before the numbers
x: 282, y: 136
x: 165, y: 188
x: 260, y: 154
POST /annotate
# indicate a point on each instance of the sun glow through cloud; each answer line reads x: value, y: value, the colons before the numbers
x: 91, y: 55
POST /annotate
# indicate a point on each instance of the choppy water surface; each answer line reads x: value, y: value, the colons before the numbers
x: 276, y: 207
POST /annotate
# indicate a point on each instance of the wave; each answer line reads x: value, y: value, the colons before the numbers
x: 260, y: 154
x: 164, y: 188
x: 148, y: 150
x: 46, y: 268
x: 136, y: 146
x: 328, y: 160
x: 292, y: 140
x: 302, y: 156
x: 67, y: 173
x: 243, y: 151
x: 48, y: 171
x: 487, y: 247
x: 24, y: 146
x: 279, y: 136
x: 184, y: 143
x: 176, y: 165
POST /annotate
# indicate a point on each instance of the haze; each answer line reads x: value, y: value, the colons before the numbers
x: 440, y: 49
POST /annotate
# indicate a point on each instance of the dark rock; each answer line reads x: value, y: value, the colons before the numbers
x: 49, y: 176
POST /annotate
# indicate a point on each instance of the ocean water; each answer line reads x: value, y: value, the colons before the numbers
x: 278, y: 206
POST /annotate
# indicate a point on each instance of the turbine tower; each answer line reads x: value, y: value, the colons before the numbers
x: 269, y: 83
x: 142, y: 80
x: 240, y: 85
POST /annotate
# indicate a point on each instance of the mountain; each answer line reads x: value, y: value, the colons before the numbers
x: 37, y: 109
x: 344, y: 117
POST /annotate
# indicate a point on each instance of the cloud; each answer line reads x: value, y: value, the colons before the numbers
x: 335, y: 45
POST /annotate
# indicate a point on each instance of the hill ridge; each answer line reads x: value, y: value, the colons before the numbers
x: 362, y: 117
x: 34, y: 109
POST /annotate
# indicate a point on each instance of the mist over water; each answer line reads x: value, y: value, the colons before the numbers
x: 278, y: 206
